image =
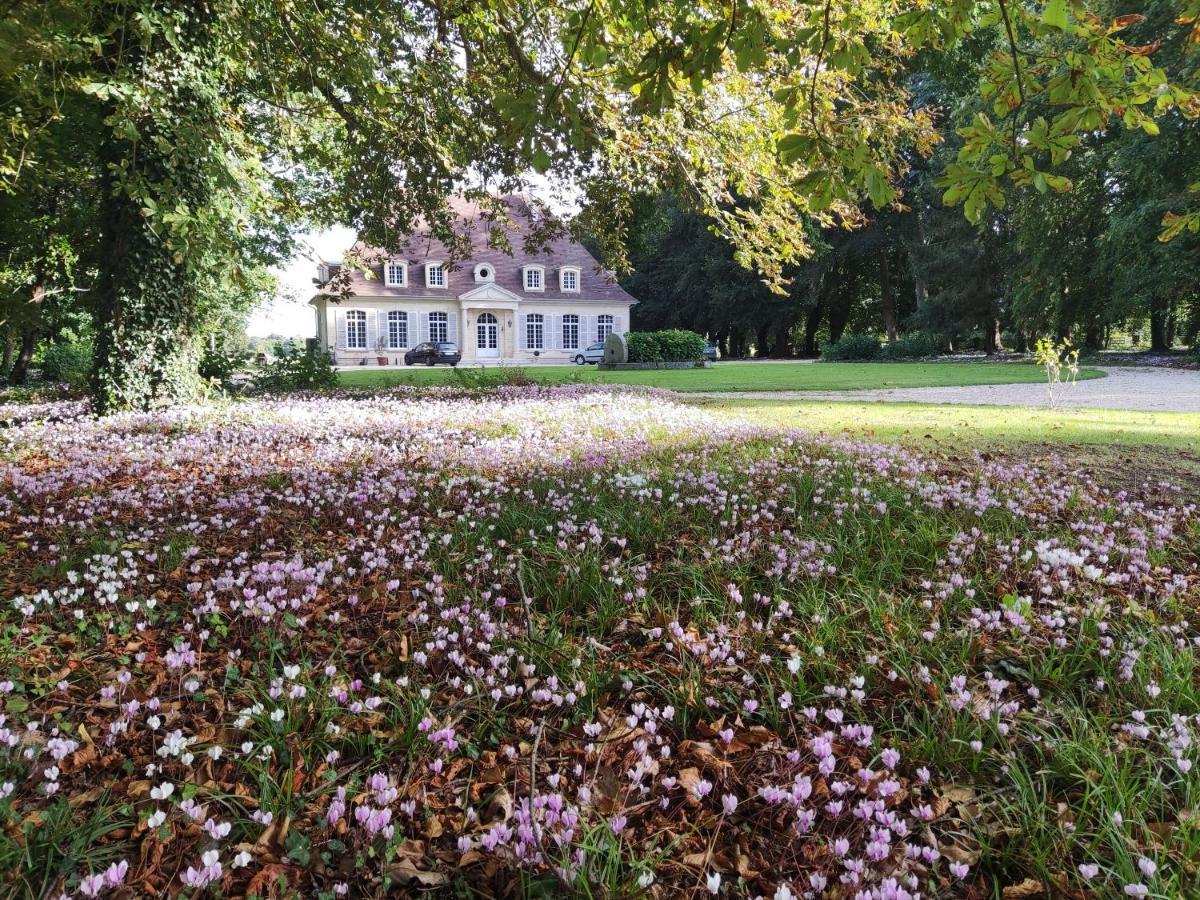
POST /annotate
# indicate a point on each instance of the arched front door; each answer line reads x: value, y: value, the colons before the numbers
x: 487, y: 335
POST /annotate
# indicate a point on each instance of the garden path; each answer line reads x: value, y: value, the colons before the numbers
x: 1125, y: 387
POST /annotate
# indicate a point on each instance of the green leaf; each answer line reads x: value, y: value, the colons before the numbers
x: 540, y: 161
x: 880, y: 191
x: 1058, y: 183
x: 1055, y: 14
x: 793, y: 147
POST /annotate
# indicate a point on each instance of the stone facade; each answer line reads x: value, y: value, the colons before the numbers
x: 544, y: 305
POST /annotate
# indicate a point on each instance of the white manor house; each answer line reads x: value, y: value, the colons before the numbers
x: 496, y: 307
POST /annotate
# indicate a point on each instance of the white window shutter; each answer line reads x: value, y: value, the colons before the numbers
x: 589, y: 330
x: 618, y: 324
x: 340, y: 318
x: 372, y: 329
x: 423, y: 333
x: 452, y: 327
x: 522, y: 333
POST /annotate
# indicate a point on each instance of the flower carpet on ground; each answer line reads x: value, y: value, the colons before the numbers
x: 565, y: 640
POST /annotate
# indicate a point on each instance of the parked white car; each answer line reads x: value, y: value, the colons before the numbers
x: 592, y: 353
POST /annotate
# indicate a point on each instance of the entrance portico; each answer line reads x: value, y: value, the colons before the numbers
x: 489, y: 314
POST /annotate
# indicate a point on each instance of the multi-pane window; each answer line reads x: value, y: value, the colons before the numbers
x: 439, y: 327
x: 395, y: 273
x: 356, y: 330
x: 569, y: 279
x: 570, y: 335
x: 604, y: 327
x: 535, y: 331
x: 435, y: 275
x: 533, y: 278
x: 397, y: 323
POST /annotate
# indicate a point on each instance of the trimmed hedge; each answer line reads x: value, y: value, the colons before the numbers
x: 852, y: 346
x: 917, y: 345
x: 673, y: 345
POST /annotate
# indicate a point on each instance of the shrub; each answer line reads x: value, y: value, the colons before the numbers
x: 219, y: 366
x: 852, y: 346
x: 681, y: 346
x: 643, y: 346
x: 917, y: 345
x: 68, y: 361
x: 672, y: 345
x: 480, y: 378
x: 297, y: 368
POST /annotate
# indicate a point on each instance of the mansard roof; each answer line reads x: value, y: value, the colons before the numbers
x: 420, y: 248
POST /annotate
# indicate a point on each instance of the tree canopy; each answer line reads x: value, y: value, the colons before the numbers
x: 211, y: 130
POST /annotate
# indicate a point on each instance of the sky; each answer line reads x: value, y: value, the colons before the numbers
x: 289, y: 314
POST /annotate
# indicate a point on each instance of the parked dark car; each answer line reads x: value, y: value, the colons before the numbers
x: 431, y: 354
x: 710, y: 351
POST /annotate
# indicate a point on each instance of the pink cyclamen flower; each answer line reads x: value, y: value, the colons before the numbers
x: 115, y: 874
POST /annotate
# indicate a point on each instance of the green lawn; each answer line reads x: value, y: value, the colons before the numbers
x: 917, y: 423
x: 734, y: 376
x: 1120, y: 447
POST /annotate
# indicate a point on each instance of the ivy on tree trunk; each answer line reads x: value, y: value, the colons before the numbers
x: 149, y: 293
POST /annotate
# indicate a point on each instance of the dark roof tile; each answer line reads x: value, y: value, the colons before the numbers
x: 595, y: 283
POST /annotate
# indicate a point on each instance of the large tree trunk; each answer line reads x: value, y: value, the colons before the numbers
x: 762, y: 341
x: 8, y: 352
x: 839, y: 315
x: 1022, y: 341
x: 991, y: 337
x: 20, y: 369
x: 920, y: 289
x: 812, y: 324
x: 148, y: 300
x: 887, y: 297
x: 737, y: 342
x: 723, y: 342
x: 1160, y: 338
x: 783, y: 340
x: 30, y: 329
x: 1062, y: 324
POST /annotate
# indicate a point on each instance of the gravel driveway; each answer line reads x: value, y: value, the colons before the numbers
x: 1138, y: 388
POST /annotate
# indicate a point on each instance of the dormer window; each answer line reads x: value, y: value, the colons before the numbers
x: 534, y: 277
x: 484, y: 272
x: 395, y: 273
x: 568, y: 279
x: 435, y: 274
